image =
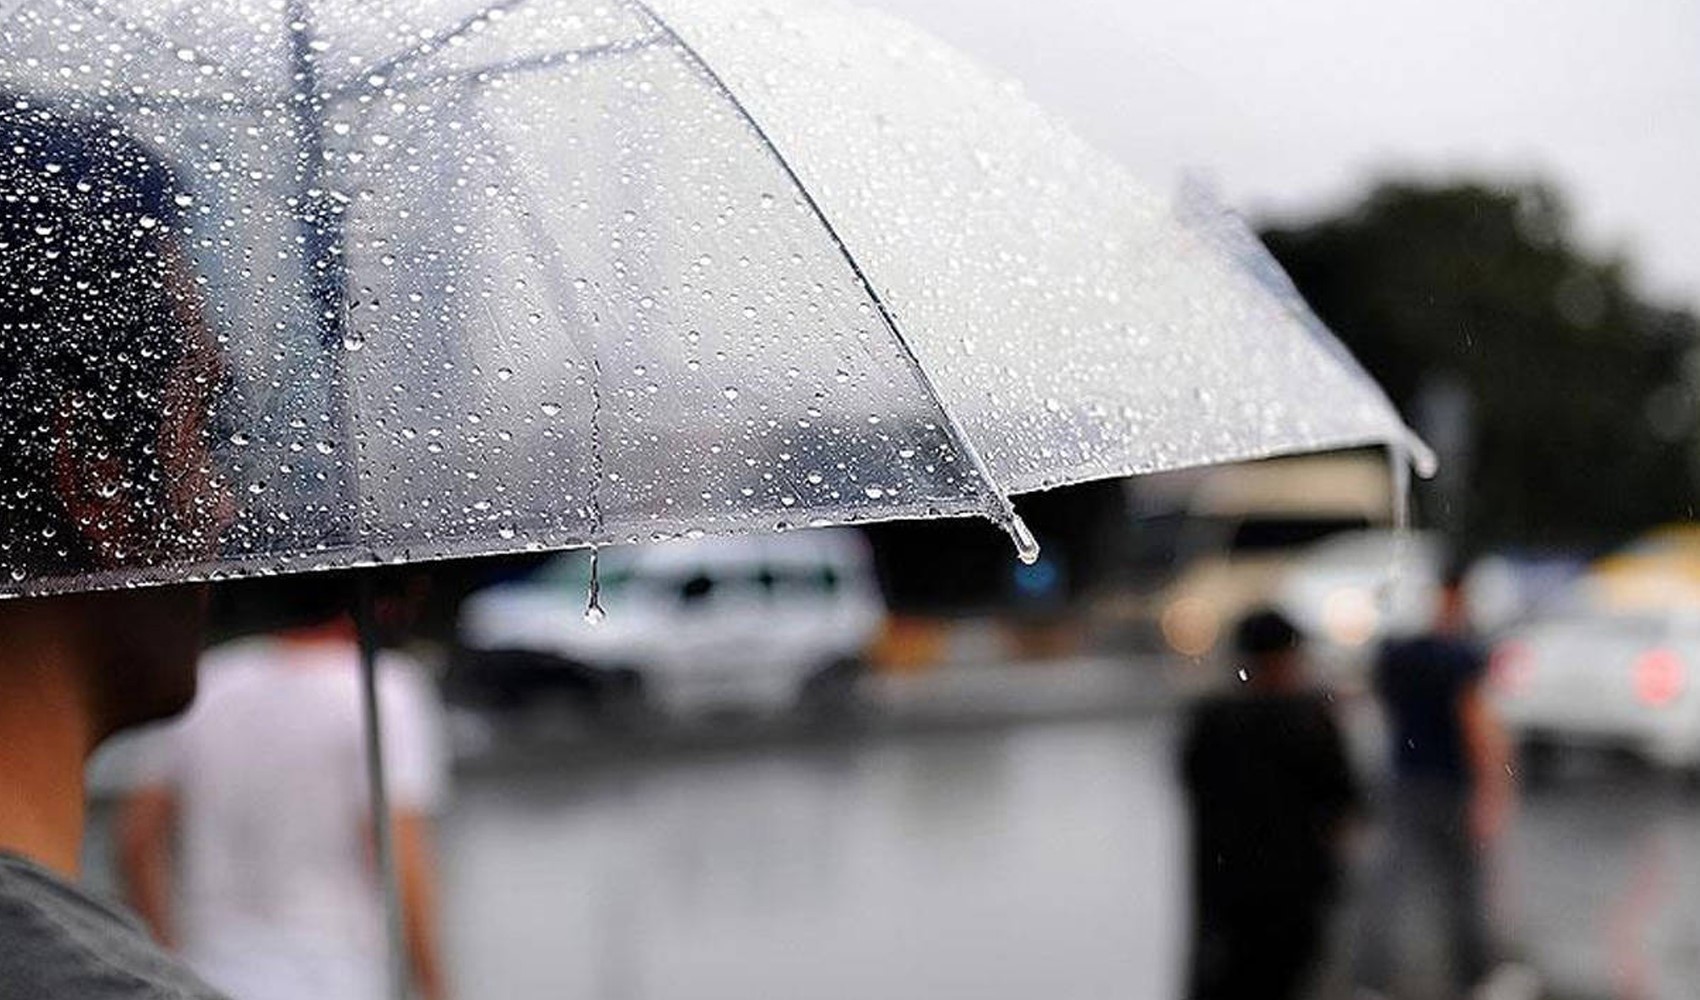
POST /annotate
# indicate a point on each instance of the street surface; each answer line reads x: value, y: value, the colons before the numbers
x: 1038, y: 861
x: 1014, y: 861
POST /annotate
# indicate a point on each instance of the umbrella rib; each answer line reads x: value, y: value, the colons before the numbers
x: 588, y: 352
x: 999, y: 508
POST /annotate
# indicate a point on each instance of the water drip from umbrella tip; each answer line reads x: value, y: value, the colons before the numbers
x: 1026, y: 546
x: 1399, y: 457
x: 593, y: 612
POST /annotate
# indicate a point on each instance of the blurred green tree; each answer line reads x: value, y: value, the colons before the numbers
x: 1581, y: 395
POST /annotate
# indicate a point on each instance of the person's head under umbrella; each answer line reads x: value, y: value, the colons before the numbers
x: 1268, y: 647
x: 106, y: 379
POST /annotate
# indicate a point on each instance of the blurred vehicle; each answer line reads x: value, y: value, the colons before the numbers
x: 762, y: 622
x: 1350, y: 591
x: 1661, y: 569
x: 1604, y: 679
x: 1245, y: 526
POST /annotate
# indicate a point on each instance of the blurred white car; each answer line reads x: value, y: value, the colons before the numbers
x: 1602, y: 679
x: 1245, y: 526
x: 759, y: 622
x: 1349, y: 592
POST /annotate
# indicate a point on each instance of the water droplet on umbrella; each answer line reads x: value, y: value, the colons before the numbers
x: 550, y: 409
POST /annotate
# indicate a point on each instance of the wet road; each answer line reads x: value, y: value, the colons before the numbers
x: 1021, y: 862
x: 1038, y: 861
x: 1601, y: 884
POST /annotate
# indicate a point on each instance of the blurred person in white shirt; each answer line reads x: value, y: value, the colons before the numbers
x: 247, y: 841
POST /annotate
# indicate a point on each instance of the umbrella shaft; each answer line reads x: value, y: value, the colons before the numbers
x: 383, y: 832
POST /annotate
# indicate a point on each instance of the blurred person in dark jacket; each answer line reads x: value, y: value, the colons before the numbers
x: 1271, y: 792
x: 1450, y: 797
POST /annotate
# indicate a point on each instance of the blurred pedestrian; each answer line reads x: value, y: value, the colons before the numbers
x: 1271, y: 793
x: 1450, y: 794
x: 95, y: 306
x: 273, y: 891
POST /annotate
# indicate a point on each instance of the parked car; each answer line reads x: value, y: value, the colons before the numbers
x: 1245, y: 526
x: 1604, y: 679
x: 1660, y: 569
x: 1355, y: 589
x: 762, y: 622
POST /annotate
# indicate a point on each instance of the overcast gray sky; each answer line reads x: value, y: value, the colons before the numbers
x: 1293, y: 106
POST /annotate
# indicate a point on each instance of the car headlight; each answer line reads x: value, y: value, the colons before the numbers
x: 1350, y: 616
x: 1190, y: 626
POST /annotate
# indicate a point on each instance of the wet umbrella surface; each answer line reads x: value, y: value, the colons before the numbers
x: 446, y: 278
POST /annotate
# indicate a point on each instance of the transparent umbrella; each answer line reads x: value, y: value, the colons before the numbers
x: 291, y: 285
x: 552, y: 273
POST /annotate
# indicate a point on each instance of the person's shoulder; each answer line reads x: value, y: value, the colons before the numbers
x: 59, y: 943
x: 1395, y: 648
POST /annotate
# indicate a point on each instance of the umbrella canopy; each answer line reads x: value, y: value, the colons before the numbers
x: 449, y: 278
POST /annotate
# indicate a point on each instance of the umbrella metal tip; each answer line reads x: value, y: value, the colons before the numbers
x: 1026, y: 545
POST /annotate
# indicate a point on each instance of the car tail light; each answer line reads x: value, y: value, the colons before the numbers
x: 1659, y: 677
x: 1512, y: 668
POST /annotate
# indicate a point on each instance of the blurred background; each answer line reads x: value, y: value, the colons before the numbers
x: 898, y: 763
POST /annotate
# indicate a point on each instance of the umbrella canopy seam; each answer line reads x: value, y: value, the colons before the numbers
x: 999, y: 507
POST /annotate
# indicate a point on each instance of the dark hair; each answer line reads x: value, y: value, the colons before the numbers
x: 93, y: 323
x: 1266, y: 632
